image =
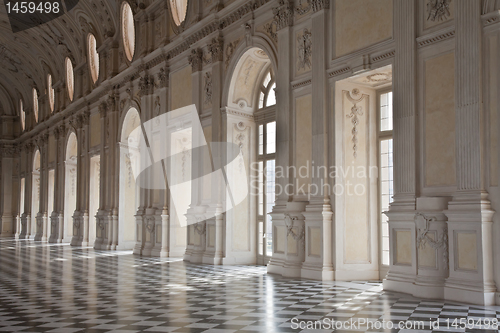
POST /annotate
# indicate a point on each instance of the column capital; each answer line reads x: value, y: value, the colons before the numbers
x: 163, y: 77
x: 216, y: 49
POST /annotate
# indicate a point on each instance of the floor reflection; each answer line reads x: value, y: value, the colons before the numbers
x: 58, y: 288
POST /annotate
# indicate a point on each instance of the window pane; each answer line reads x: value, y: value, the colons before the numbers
x: 267, y: 79
x: 261, y: 237
x: 386, y: 112
x: 386, y: 193
x: 271, y: 97
x: 261, y: 100
x: 270, y: 197
x: 261, y: 139
x: 261, y: 188
x: 271, y: 138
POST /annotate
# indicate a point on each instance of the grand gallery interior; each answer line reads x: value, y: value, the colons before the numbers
x: 259, y: 166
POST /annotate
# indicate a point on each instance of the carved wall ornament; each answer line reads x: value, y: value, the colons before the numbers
x: 200, y: 228
x: 163, y: 77
x: 146, y: 85
x: 422, y: 224
x: 356, y: 111
x: 304, y: 44
x: 438, y: 10
x: 230, y: 50
x: 150, y: 225
x: 157, y: 108
x: 270, y: 29
x: 216, y: 49
x: 283, y: 15
x: 208, y: 89
x: 196, y: 59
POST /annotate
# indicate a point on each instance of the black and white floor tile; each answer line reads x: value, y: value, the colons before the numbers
x: 58, y: 288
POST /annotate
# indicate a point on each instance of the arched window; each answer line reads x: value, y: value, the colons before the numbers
x: 93, y: 57
x: 70, y: 79
x: 267, y: 95
x: 22, y: 115
x: 179, y: 9
x: 35, y: 104
x: 128, y: 30
x: 50, y: 92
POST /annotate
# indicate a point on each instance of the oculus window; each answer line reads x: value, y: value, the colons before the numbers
x: 179, y: 9
x: 128, y: 31
x: 93, y: 58
x: 70, y: 79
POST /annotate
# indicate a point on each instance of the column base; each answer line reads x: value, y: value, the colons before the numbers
x: 466, y: 292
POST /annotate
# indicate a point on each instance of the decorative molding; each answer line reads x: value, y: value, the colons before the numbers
x: 200, y: 228
x: 146, y: 85
x: 355, y: 112
x: 304, y: 48
x: 433, y: 38
x: 438, y: 10
x: 382, y: 57
x: 270, y: 30
x: 490, y: 18
x: 339, y: 71
x: 301, y: 84
x: 236, y: 113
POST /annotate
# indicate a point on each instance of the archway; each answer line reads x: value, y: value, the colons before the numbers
x: 129, y: 192
x: 35, y: 196
x: 70, y: 186
x: 251, y: 124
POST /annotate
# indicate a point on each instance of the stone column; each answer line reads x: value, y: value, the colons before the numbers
x: 59, y: 191
x: 85, y: 205
x: 102, y: 213
x: 6, y: 167
x: 26, y: 216
x: 469, y: 213
x: 146, y: 218
x: 76, y: 123
x: 401, y: 213
x: 42, y: 216
x: 318, y: 212
x: 54, y: 215
x: 283, y: 18
x: 216, y: 49
x: 113, y: 168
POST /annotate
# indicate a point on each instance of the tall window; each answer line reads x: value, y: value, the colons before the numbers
x: 128, y: 30
x: 50, y: 92
x: 93, y: 57
x: 35, y: 104
x: 22, y: 115
x: 386, y: 179
x: 70, y: 79
x: 267, y: 167
x: 179, y: 9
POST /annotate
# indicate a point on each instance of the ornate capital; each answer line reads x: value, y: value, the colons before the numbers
x: 283, y: 15
x: 163, y: 77
x: 196, y: 59
x: 216, y: 49
x: 102, y: 109
x: 56, y: 132
x: 111, y: 103
x: 9, y: 151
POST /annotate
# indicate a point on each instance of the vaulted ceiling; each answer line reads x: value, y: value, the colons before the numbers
x: 26, y: 57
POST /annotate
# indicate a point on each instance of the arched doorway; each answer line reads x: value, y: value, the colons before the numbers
x: 251, y: 124
x: 35, y: 196
x: 70, y: 186
x: 129, y: 191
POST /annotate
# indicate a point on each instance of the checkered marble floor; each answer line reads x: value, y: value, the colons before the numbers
x: 58, y: 288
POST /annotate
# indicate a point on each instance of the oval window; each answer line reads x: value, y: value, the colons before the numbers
x: 70, y: 79
x: 50, y: 91
x: 93, y: 58
x: 22, y: 114
x: 128, y: 30
x: 179, y: 9
x: 35, y: 104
